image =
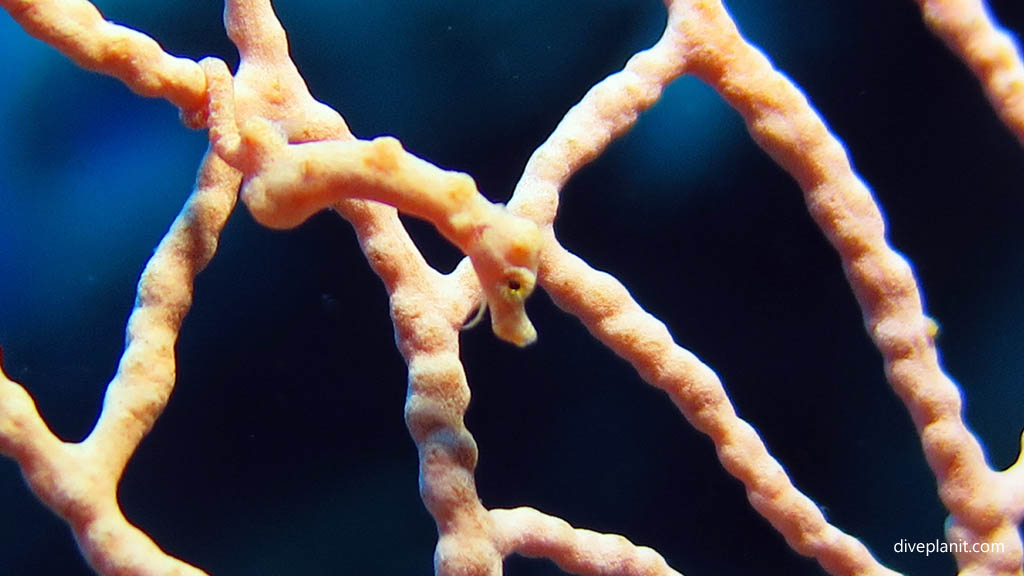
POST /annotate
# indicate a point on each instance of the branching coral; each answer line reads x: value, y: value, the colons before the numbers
x: 792, y: 137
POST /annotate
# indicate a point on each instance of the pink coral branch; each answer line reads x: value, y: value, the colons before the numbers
x: 704, y: 39
x: 993, y: 55
x: 532, y: 533
x: 79, y: 481
x: 78, y: 30
x: 782, y: 121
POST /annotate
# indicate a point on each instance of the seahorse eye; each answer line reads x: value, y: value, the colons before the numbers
x: 517, y: 285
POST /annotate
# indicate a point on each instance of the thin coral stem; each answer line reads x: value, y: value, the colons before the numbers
x: 532, y: 533
x: 136, y: 396
x: 991, y: 52
x: 79, y: 31
x: 79, y: 481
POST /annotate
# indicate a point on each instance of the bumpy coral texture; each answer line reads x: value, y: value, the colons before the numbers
x: 289, y: 157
